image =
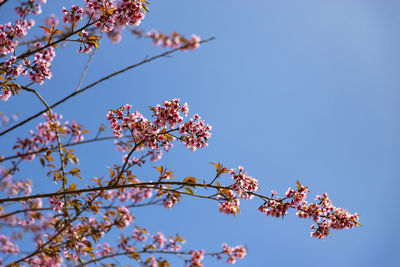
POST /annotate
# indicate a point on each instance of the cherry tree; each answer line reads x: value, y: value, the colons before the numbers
x: 72, y: 225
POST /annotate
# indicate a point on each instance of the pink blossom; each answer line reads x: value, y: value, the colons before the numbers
x: 51, y: 20
x: 73, y: 15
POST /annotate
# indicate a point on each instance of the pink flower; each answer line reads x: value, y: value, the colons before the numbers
x: 73, y: 15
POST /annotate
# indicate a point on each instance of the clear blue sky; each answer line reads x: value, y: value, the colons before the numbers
x: 296, y: 89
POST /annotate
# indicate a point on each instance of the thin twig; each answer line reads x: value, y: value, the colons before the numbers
x: 85, y: 70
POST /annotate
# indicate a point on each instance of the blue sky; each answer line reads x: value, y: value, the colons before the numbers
x: 304, y: 90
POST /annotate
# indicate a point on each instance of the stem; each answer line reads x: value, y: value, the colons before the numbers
x: 52, y: 149
x: 109, y: 187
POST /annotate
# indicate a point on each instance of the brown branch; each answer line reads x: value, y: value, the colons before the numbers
x: 29, y: 53
x: 97, y: 82
x: 43, y: 149
x: 2, y: 3
x: 158, y: 201
x: 109, y: 187
x: 150, y: 252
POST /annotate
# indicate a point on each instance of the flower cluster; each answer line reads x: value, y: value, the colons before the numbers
x: 173, y: 40
x: 125, y: 217
x: 136, y: 194
x: 195, y: 133
x: 170, y: 201
x: 158, y: 134
x: 5, y: 95
x: 196, y: 257
x: 159, y: 240
x: 9, y: 35
x: 43, y: 259
x: 243, y: 187
x: 87, y: 42
x: 231, y: 203
x: 72, y: 15
x: 15, y: 187
x: 244, y: 184
x: 51, y: 20
x: 139, y: 234
x: 30, y: 6
x: 234, y: 253
x: 46, y: 134
x: 56, y: 203
x: 278, y: 207
x: 110, y: 14
x: 323, y: 213
x: 104, y: 250
x: 6, y: 120
x: 327, y: 216
x: 7, y: 246
x: 40, y: 69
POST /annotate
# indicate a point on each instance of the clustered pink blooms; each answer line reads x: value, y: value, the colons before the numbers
x: 159, y: 133
x: 40, y: 69
x: 159, y: 240
x: 51, y: 20
x: 12, y: 188
x: 72, y: 15
x: 231, y: 203
x: 170, y: 201
x: 174, y: 40
x: 9, y: 35
x: 33, y: 221
x: 278, y: 207
x: 86, y: 45
x: 105, y: 250
x: 323, y: 213
x: 244, y: 184
x: 5, y: 95
x: 6, y: 120
x: 125, y: 217
x: 135, y: 194
x: 234, y: 253
x: 42, y: 259
x: 195, y: 133
x: 45, y: 135
x: 139, y: 234
x: 30, y: 6
x: 56, y: 203
x: 109, y: 14
x: 7, y: 246
x: 197, y: 257
x: 243, y: 187
x: 327, y: 216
